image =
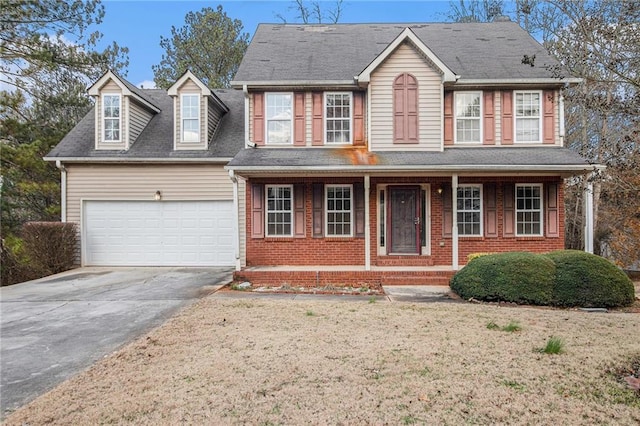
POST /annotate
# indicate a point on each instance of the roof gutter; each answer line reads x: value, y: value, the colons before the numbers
x: 129, y: 160
x: 291, y: 83
x: 444, y: 168
x: 516, y: 81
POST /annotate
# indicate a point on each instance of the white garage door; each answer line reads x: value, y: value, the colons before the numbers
x: 158, y: 233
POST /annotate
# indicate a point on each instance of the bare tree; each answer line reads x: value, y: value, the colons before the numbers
x: 311, y: 12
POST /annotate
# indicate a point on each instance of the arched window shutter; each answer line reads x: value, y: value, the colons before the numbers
x: 405, y: 109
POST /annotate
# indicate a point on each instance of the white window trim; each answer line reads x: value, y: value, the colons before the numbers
x: 516, y: 210
x: 266, y: 118
x: 182, y: 119
x: 324, y: 111
x: 266, y: 211
x: 515, y: 117
x: 455, y: 118
x: 326, y: 210
x: 473, y: 185
x: 120, y: 118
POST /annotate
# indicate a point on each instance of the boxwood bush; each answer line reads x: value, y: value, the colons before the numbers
x: 561, y: 278
x: 584, y: 279
x: 512, y: 277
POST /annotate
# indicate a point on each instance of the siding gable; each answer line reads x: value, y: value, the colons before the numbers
x: 429, y: 82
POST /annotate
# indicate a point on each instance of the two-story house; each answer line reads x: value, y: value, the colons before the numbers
x: 349, y: 154
x: 387, y: 153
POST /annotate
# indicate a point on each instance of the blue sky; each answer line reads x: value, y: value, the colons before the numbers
x: 138, y: 25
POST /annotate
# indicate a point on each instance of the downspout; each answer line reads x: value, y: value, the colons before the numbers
x: 236, y: 217
x: 63, y: 191
x: 367, y: 230
x: 245, y: 91
x: 454, y: 221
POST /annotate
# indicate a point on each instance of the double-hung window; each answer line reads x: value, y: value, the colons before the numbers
x: 190, y: 114
x: 111, y: 108
x: 279, y: 216
x: 339, y: 210
x: 469, y: 209
x: 279, y: 123
x: 529, y: 209
x: 468, y: 117
x: 338, y: 117
x: 528, y: 106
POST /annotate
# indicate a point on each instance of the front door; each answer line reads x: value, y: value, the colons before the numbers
x: 404, y: 219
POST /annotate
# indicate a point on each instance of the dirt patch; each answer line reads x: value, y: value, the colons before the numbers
x: 259, y: 361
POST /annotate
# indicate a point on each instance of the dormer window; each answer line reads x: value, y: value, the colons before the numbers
x: 111, y: 108
x: 190, y: 113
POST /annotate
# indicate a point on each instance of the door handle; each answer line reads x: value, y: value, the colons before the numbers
x: 416, y: 221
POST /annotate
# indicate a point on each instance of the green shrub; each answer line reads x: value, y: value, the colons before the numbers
x: 511, y: 277
x: 584, y: 279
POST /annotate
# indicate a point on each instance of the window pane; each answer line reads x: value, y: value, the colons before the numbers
x: 279, y: 111
x: 527, y: 110
x: 279, y: 214
x: 528, y: 210
x: 467, y: 117
x: 338, y: 214
x: 338, y: 117
x: 469, y: 208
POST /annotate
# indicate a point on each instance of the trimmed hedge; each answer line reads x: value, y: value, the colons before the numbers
x: 584, y: 279
x: 561, y: 278
x: 514, y: 277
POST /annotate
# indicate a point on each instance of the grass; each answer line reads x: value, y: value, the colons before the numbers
x: 512, y: 327
x: 554, y: 346
x: 310, y: 314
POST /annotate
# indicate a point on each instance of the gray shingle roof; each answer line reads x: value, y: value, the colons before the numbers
x: 520, y: 159
x: 156, y: 140
x: 340, y: 52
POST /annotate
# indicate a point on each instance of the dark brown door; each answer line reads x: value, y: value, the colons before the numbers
x: 404, y: 220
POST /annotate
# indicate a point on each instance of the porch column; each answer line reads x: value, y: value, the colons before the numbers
x: 454, y: 221
x: 588, y: 218
x: 236, y: 218
x: 367, y: 230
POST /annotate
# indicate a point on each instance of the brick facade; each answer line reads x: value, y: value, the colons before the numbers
x: 310, y: 250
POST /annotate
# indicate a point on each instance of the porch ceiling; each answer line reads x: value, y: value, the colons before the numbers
x: 481, y: 160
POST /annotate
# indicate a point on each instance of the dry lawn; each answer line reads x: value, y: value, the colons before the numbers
x: 262, y: 361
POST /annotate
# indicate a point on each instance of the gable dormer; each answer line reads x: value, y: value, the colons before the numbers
x: 197, y: 113
x: 122, y: 111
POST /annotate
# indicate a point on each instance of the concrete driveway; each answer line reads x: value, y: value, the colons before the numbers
x: 54, y: 327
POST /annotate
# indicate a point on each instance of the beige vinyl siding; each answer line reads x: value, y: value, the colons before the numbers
x: 242, y: 222
x: 189, y: 87
x: 308, y: 117
x: 110, y: 87
x: 215, y: 115
x: 139, y: 117
x: 406, y: 59
x: 190, y: 182
x: 497, y: 98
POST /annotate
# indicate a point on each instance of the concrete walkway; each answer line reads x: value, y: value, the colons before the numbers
x: 52, y: 328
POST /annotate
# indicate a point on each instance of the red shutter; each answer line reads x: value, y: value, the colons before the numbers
x: 411, y: 100
x: 405, y: 109
x: 447, y: 211
x: 489, y: 129
x: 299, y: 128
x: 548, y: 123
x: 298, y: 211
x: 508, y: 203
x: 318, y: 210
x: 507, y: 118
x: 448, y: 118
x: 257, y: 211
x: 358, y: 119
x: 490, y: 210
x: 317, y: 130
x: 258, y: 118
x: 358, y: 200
x: 553, y: 220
